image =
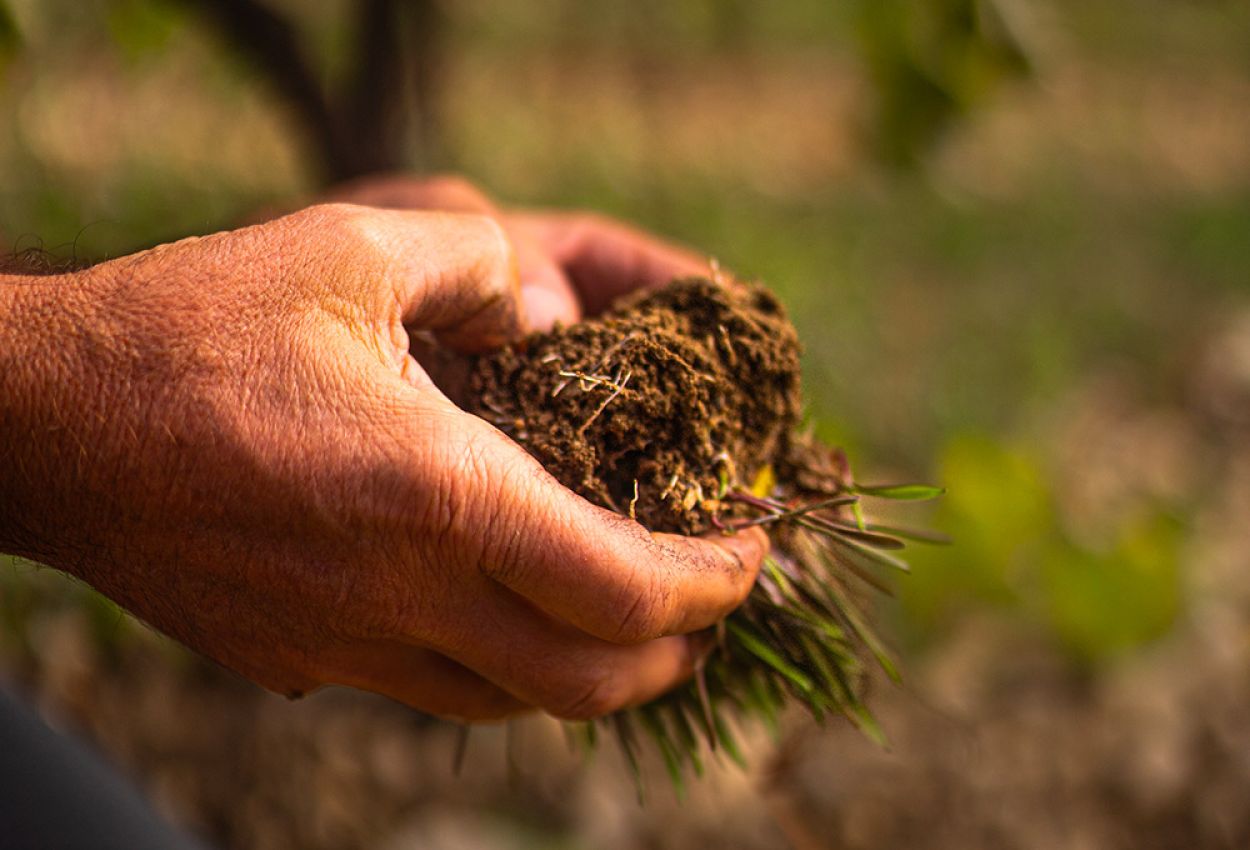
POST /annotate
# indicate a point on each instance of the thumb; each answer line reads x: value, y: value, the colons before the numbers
x: 453, y: 274
x: 545, y: 289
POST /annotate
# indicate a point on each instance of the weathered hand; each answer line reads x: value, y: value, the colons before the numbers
x: 570, y: 263
x: 228, y: 436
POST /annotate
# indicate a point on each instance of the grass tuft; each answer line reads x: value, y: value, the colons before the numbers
x: 801, y: 637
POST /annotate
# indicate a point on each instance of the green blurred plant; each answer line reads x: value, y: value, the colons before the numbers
x: 10, y: 37
x: 930, y: 64
x: 1015, y: 555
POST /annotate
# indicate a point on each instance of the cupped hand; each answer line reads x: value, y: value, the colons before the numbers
x: 229, y: 437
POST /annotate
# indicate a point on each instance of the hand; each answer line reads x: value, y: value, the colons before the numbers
x: 570, y: 263
x: 228, y: 436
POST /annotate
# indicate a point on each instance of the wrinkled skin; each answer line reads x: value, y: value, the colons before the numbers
x: 230, y: 437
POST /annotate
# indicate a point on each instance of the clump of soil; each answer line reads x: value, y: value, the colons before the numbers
x: 678, y: 408
x: 659, y: 405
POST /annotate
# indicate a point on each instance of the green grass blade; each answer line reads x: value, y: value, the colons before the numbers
x: 629, y: 747
x: 875, y: 539
x: 915, y: 535
x: 688, y: 738
x: 728, y: 744
x: 756, y: 645
x: 654, y: 726
x: 866, y: 634
x: 866, y: 723
x: 900, y: 492
x: 779, y: 579
x: 876, y: 556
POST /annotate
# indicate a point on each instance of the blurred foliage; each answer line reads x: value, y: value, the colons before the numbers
x: 25, y: 601
x: 1090, y: 220
x: 10, y: 37
x: 143, y: 28
x: 1015, y: 554
x: 930, y: 64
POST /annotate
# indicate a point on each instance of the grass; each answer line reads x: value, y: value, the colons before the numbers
x: 801, y: 637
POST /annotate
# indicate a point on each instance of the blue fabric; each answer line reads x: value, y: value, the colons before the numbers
x: 56, y: 793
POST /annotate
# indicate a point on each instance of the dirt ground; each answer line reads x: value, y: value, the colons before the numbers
x: 990, y: 748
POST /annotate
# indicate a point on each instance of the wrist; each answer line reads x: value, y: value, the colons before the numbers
x: 43, y: 319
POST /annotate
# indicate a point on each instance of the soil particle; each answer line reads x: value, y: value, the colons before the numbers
x: 652, y: 408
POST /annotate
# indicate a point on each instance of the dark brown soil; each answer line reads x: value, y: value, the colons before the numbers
x: 653, y: 408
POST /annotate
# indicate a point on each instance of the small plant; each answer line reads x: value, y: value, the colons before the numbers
x: 800, y: 635
x: 680, y: 408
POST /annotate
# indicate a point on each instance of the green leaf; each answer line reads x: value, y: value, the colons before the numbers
x: 820, y: 625
x: 705, y: 702
x: 864, y: 575
x: 832, y: 680
x: 868, y: 636
x: 857, y: 510
x: 728, y: 744
x: 629, y: 748
x: 779, y: 578
x: 866, y: 723
x: 825, y: 504
x: 689, y: 739
x: 900, y: 492
x: 876, y: 556
x: 915, y: 535
x: 875, y: 539
x: 758, y: 700
x: 654, y: 726
x: 754, y: 644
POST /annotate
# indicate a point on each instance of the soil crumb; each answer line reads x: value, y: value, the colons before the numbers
x: 655, y: 407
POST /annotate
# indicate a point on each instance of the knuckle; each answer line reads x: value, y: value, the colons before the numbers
x: 590, y: 221
x: 643, y: 611
x: 455, y: 191
x: 337, y: 236
x: 440, y: 516
x: 501, y: 260
x: 442, y: 513
x: 643, y: 607
x: 330, y: 216
x: 475, y: 504
x: 504, y: 554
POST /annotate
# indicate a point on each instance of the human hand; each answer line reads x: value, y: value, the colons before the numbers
x: 570, y: 263
x: 229, y: 437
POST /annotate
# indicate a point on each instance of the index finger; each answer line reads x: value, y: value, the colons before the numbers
x: 605, y: 259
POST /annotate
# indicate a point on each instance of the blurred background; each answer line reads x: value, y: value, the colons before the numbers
x: 1015, y: 237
